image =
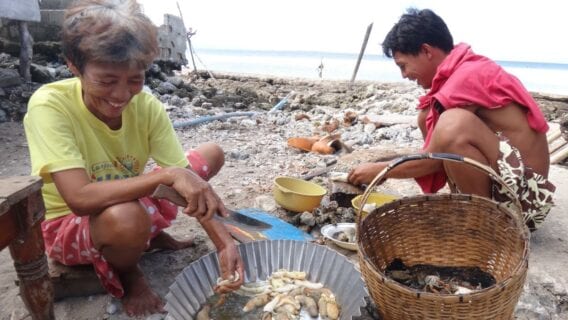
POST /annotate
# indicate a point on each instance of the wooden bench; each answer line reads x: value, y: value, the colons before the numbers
x: 21, y: 213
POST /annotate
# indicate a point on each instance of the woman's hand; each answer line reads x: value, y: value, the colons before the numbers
x: 231, y: 269
x: 365, y: 173
x: 202, y: 201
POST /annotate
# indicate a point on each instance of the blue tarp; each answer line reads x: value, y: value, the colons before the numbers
x: 281, y: 230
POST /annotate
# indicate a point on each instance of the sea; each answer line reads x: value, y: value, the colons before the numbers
x: 549, y: 78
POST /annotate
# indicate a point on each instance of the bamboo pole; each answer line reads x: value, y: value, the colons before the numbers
x: 188, y: 35
x: 369, y: 28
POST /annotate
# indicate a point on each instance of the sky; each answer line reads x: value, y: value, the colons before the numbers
x: 505, y: 30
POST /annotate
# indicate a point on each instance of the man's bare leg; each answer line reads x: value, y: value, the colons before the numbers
x: 121, y: 233
x: 462, y: 132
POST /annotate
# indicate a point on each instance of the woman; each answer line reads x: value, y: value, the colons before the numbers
x: 90, y: 138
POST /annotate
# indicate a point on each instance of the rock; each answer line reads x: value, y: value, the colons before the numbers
x: 165, y: 87
x: 153, y: 71
x: 63, y: 72
x: 369, y: 128
x: 9, y: 78
x: 238, y: 155
x: 42, y: 74
x: 343, y: 193
x: 112, y: 307
x: 176, y: 81
x: 308, y: 219
x: 50, y: 50
x: 265, y: 202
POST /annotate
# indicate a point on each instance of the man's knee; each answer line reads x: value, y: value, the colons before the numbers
x: 455, y: 126
x: 126, y: 224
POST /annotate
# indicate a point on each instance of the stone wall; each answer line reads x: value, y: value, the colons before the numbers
x: 172, y: 39
x: 171, y: 35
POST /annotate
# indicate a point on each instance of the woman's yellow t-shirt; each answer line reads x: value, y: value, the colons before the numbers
x: 63, y: 134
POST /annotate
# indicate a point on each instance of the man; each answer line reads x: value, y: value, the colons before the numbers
x: 473, y: 108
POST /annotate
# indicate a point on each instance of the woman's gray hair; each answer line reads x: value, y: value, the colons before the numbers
x: 115, y: 31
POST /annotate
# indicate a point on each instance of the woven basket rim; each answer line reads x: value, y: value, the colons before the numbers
x: 451, y: 196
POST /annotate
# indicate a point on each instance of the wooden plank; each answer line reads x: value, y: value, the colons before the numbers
x: 75, y: 281
x: 553, y: 134
x: 556, y: 144
x: 8, y: 228
x: 559, y: 155
x: 16, y: 189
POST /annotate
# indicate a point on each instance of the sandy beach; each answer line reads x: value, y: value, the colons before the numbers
x: 256, y: 152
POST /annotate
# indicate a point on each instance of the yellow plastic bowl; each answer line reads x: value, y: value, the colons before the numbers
x: 376, y: 198
x: 296, y: 194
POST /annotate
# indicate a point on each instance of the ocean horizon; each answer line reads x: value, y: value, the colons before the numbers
x: 543, y: 77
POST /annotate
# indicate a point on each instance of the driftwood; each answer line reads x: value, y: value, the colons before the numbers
x: 557, y: 143
x: 363, y: 46
x: 559, y: 155
x: 564, y: 126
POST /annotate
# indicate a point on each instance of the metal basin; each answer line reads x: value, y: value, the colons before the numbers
x: 261, y: 258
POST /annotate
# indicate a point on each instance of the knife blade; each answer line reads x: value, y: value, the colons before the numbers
x: 235, y: 218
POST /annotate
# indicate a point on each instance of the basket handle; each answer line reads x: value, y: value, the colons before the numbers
x: 438, y: 156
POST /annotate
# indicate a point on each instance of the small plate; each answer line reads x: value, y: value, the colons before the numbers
x: 330, y: 230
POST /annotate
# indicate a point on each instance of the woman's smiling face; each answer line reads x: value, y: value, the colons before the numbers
x: 108, y: 88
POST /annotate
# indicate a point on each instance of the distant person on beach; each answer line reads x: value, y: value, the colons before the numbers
x: 320, y: 69
x: 472, y: 108
x: 90, y: 139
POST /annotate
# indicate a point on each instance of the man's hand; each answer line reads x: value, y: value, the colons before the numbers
x: 231, y: 263
x: 365, y: 173
x: 202, y: 201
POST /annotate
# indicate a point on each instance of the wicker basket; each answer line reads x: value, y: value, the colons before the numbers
x: 454, y: 230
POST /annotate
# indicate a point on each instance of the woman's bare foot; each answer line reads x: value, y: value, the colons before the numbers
x: 166, y: 242
x: 139, y: 299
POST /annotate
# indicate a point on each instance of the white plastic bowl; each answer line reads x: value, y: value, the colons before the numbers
x: 329, y: 230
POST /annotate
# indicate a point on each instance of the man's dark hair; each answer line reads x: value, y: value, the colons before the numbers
x: 415, y: 28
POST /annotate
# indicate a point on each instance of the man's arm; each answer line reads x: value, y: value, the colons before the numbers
x: 366, y: 172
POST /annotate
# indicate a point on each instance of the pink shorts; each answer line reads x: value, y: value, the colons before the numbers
x: 68, y: 240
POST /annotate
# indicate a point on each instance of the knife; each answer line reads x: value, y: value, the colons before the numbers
x: 235, y: 218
